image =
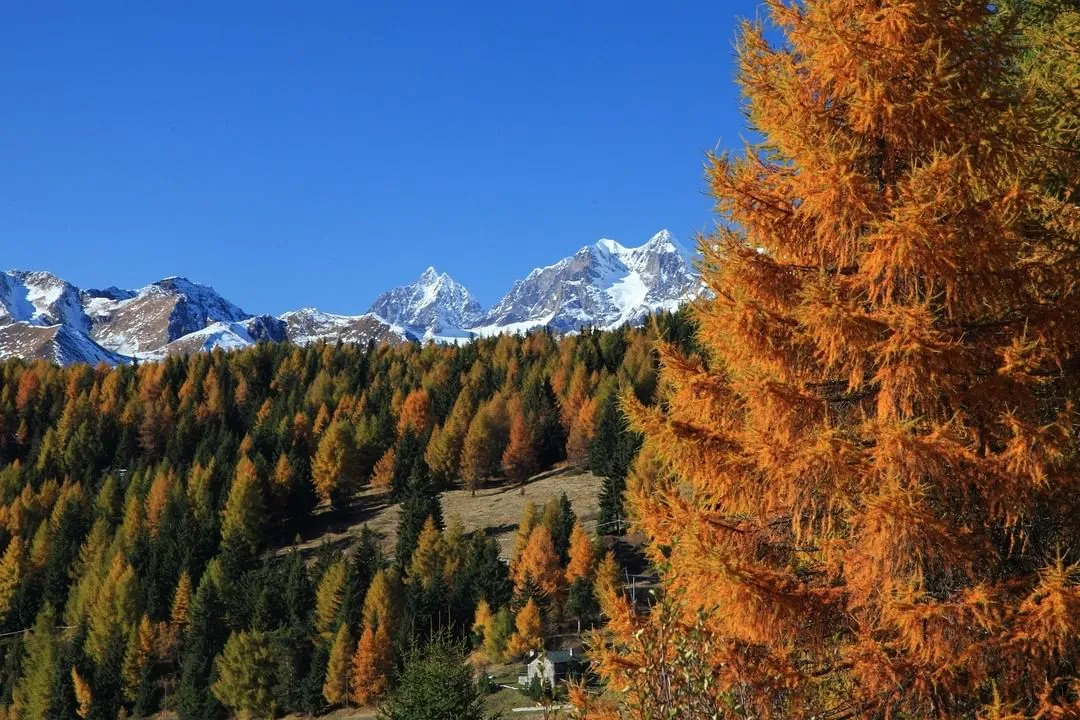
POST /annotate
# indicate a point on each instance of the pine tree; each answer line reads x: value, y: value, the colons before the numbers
x: 421, y: 503
x: 32, y: 698
x: 246, y: 675
x: 336, y: 685
x: 206, y: 638
x: 436, y: 683
x: 872, y: 469
x: 560, y: 519
x: 371, y: 665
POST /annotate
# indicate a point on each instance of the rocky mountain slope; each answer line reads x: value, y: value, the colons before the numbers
x: 602, y: 285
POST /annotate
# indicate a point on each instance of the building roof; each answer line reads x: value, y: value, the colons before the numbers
x: 556, y: 657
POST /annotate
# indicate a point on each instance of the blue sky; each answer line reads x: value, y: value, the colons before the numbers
x: 295, y: 154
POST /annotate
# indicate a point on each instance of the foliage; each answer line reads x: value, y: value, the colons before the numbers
x: 245, y: 675
x: 436, y: 684
x: 866, y: 486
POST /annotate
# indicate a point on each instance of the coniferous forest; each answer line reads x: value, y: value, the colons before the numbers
x: 145, y: 509
x: 854, y: 466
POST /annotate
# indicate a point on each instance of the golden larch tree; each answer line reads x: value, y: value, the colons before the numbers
x: 519, y: 461
x: 416, y: 414
x: 382, y: 477
x: 335, y: 686
x: 383, y: 600
x: 539, y: 562
x: 335, y: 468
x: 11, y: 573
x: 180, y: 613
x: 528, y: 631
x: 84, y: 696
x: 371, y: 665
x: 428, y: 560
x: 867, y: 481
x: 582, y: 555
x: 329, y: 595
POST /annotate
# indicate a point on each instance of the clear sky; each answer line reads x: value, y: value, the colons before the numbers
x: 297, y: 153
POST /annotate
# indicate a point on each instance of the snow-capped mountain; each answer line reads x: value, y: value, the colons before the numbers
x: 141, y: 322
x: 602, y: 285
x: 311, y: 325
x: 432, y: 307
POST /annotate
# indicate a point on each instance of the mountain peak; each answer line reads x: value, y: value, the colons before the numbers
x: 433, y: 306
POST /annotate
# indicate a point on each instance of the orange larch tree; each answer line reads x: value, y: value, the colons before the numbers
x: 868, y: 481
x: 539, y: 562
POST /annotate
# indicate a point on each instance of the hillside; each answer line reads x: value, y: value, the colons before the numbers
x: 495, y: 510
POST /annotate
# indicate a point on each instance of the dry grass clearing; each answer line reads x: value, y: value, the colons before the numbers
x: 494, y: 509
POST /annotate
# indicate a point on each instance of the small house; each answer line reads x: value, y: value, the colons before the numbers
x: 553, y: 666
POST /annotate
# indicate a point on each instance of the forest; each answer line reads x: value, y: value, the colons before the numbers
x: 139, y: 505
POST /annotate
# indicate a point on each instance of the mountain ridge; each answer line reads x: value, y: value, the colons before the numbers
x: 605, y: 284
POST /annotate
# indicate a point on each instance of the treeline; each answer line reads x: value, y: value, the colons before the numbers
x: 138, y: 506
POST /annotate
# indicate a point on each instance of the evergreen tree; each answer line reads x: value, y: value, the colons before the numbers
x: 298, y: 593
x: 245, y: 675
x: 436, y: 684
x: 420, y: 503
x: 32, y: 697
x: 206, y: 637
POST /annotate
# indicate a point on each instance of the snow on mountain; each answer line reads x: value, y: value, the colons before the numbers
x: 41, y: 299
x: 149, y: 319
x: 310, y: 325
x: 434, y: 306
x: 602, y: 285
